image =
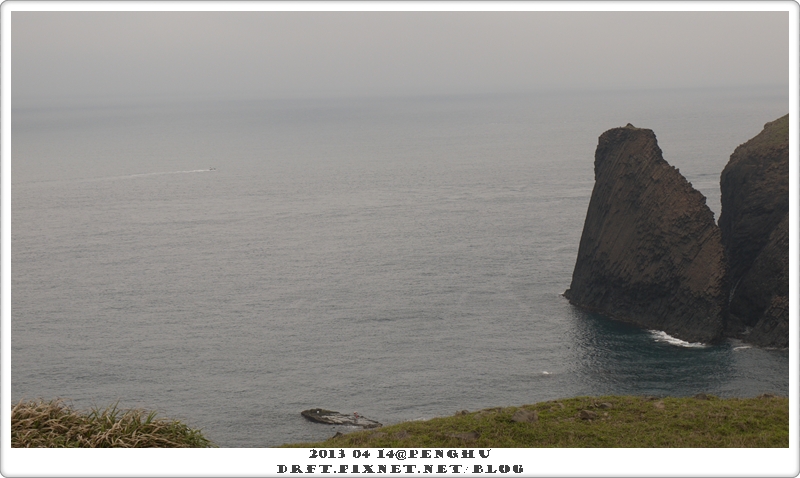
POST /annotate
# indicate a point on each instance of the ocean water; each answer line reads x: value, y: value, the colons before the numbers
x: 399, y: 257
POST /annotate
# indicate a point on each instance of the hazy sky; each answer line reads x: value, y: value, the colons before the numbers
x: 58, y: 56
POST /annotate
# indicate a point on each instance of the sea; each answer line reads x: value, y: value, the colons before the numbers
x: 232, y: 263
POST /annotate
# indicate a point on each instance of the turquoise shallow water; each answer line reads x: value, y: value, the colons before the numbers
x: 402, y: 258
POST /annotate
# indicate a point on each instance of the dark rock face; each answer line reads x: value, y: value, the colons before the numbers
x: 755, y: 232
x: 755, y: 195
x: 772, y: 329
x: 650, y: 253
x: 767, y: 277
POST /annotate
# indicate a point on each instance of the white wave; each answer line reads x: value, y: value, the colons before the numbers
x: 743, y: 347
x: 661, y: 336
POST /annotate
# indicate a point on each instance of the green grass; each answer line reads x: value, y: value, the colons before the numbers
x: 53, y: 424
x: 774, y: 134
x: 619, y: 421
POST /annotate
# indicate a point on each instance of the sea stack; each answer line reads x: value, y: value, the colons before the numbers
x: 755, y: 232
x: 650, y: 253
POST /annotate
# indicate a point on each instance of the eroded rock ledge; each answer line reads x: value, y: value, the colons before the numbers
x: 330, y: 417
x: 650, y: 252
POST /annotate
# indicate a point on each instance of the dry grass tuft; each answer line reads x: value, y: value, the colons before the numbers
x: 53, y: 424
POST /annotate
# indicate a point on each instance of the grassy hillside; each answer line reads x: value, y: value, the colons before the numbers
x: 605, y: 422
x: 775, y: 133
x: 41, y: 424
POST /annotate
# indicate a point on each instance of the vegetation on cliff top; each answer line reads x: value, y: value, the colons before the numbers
x: 53, y: 424
x: 774, y: 134
x: 585, y: 422
x: 601, y: 422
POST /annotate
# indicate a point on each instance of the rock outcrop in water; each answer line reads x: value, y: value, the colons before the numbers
x: 329, y: 417
x: 755, y: 232
x: 650, y: 253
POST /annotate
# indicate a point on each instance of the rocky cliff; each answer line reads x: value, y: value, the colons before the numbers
x: 755, y: 232
x: 650, y: 253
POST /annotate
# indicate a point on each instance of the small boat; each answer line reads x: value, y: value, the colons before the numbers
x: 212, y: 169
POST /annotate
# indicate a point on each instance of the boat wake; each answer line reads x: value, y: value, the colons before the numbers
x: 661, y: 336
x: 114, y: 178
x: 160, y: 173
x: 167, y: 172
